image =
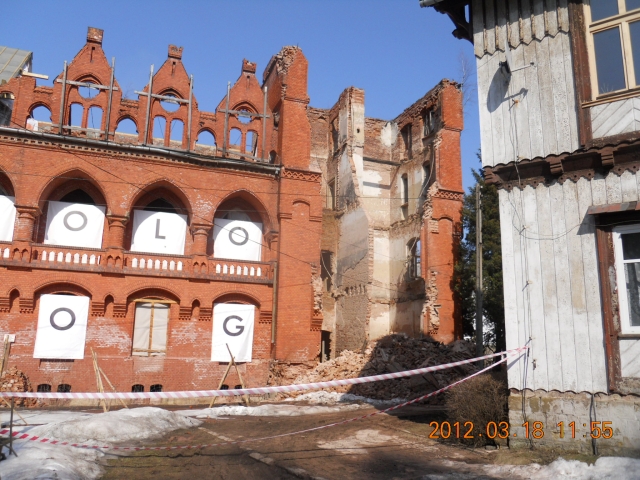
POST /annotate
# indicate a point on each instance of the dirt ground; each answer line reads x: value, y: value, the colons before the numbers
x: 381, y: 447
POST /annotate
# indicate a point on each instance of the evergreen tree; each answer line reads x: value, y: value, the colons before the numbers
x: 465, y: 269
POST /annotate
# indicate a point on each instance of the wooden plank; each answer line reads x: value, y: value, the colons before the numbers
x: 514, y: 24
x: 563, y: 15
x: 549, y: 290
x: 524, y: 311
x: 613, y: 118
x: 490, y: 26
x: 501, y: 25
x: 560, y: 104
x: 495, y: 101
x: 534, y: 290
x: 572, y: 106
x: 614, y: 192
x: 551, y: 18
x: 598, y: 190
x: 578, y: 292
x: 478, y: 28
x: 568, y: 365
x: 486, y: 132
x: 629, y: 187
x: 538, y: 19
x: 547, y: 109
x: 536, y: 137
x: 592, y: 288
x: 514, y: 339
x: 525, y: 25
x: 520, y: 108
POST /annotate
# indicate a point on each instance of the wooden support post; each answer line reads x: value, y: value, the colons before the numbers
x: 226, y: 122
x: 149, y: 93
x: 5, y: 354
x: 224, y: 377
x: 233, y: 362
x: 264, y: 126
x: 11, y: 450
x: 9, y: 405
x: 108, y: 117
x: 479, y: 288
x: 111, y: 385
x: 190, y: 113
x: 99, y: 380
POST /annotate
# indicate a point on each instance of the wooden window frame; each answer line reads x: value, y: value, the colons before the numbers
x: 621, y: 21
x: 152, y: 301
x: 625, y: 321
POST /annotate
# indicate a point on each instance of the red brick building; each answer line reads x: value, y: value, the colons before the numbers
x: 255, y: 169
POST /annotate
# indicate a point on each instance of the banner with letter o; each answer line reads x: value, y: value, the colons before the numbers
x: 232, y: 325
x: 158, y: 232
x: 74, y: 225
x: 62, y: 327
x: 7, y: 217
x: 237, y: 240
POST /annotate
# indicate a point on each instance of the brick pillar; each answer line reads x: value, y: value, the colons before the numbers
x: 200, y: 232
x: 115, y: 236
x: 27, y: 217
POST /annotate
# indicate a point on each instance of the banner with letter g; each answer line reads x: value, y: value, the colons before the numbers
x: 232, y: 325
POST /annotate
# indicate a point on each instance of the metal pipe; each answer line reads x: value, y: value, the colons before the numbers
x: 62, y: 97
x: 264, y: 124
x: 146, y: 126
x: 226, y: 122
x: 108, y: 119
x: 479, y: 292
x: 189, y: 114
x: 274, y: 307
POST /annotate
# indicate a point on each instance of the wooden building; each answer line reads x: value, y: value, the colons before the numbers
x: 558, y: 98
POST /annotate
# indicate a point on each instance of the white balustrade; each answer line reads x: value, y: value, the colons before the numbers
x: 224, y: 269
x: 66, y: 257
x: 6, y: 253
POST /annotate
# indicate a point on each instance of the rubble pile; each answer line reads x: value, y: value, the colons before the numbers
x: 396, y: 353
x: 15, y: 380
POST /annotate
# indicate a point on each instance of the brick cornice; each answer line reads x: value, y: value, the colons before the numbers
x: 299, y: 174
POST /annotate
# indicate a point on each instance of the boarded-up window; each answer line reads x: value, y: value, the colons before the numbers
x: 150, y: 328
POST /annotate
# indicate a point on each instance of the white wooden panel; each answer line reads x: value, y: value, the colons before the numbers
x: 478, y: 28
x: 551, y: 18
x: 614, y: 192
x: 486, y: 133
x: 592, y: 288
x: 514, y: 25
x: 578, y: 293
x: 526, y: 33
x: 563, y: 15
x: 501, y: 24
x: 538, y: 19
x: 598, y: 190
x: 511, y: 311
x: 520, y: 110
x: 563, y: 285
x: 536, y: 137
x: 546, y: 96
x: 549, y: 290
x: 613, y: 118
x: 495, y: 103
x: 560, y: 97
x: 628, y: 186
x: 572, y: 106
x: 533, y: 274
x: 629, y: 355
x: 490, y: 26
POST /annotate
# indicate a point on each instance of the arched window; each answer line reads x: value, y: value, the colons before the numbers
x: 94, y: 118
x: 159, y: 127
x: 128, y: 126
x: 41, y: 114
x: 78, y: 196
x: 237, y: 231
x: 251, y: 143
x: 235, y: 137
x: 170, y: 105
x: 75, y: 115
x: 177, y: 130
x: 88, y: 92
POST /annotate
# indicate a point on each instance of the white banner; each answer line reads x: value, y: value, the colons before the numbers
x: 233, y: 326
x: 62, y: 327
x: 158, y: 232
x: 7, y: 217
x: 237, y: 239
x: 74, y: 225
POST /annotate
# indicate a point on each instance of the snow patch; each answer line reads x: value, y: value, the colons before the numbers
x: 40, y: 461
x: 266, y: 411
x: 331, y: 398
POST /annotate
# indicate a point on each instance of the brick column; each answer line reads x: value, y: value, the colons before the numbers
x: 200, y: 232
x: 115, y: 236
x: 27, y: 217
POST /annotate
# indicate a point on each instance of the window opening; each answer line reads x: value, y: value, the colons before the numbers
x: 64, y: 388
x: 325, y: 346
x: 614, y: 35
x: 6, y: 108
x: 405, y: 195
x: 126, y: 125
x: 95, y: 118
x: 627, y: 255
x: 407, y: 139
x: 159, y: 126
x: 331, y: 195
x: 76, y: 115
x: 415, y: 261
x: 237, y: 387
x: 206, y: 139
x: 78, y: 196
x: 155, y: 388
x: 170, y: 105
x: 251, y: 143
x: 429, y: 122
x: 44, y: 387
x: 42, y: 114
x: 177, y: 130
x: 235, y: 137
x: 245, y: 119
x: 150, y: 328
x: 137, y: 388
x: 326, y: 270
x: 88, y: 92
x: 224, y: 387
x: 160, y: 205
x: 272, y: 156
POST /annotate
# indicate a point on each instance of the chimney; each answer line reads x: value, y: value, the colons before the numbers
x: 248, y: 67
x: 175, y: 52
x: 94, y: 35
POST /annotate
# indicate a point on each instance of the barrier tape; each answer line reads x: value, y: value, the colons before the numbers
x: 254, y: 391
x: 35, y: 438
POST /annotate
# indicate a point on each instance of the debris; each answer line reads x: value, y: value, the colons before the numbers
x: 393, y: 353
x: 15, y: 380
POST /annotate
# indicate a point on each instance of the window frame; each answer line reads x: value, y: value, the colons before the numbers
x: 623, y: 300
x: 621, y: 22
x: 149, y: 352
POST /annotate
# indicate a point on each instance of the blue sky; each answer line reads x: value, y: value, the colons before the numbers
x: 393, y: 49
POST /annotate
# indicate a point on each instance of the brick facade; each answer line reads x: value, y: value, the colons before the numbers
x: 271, y: 180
